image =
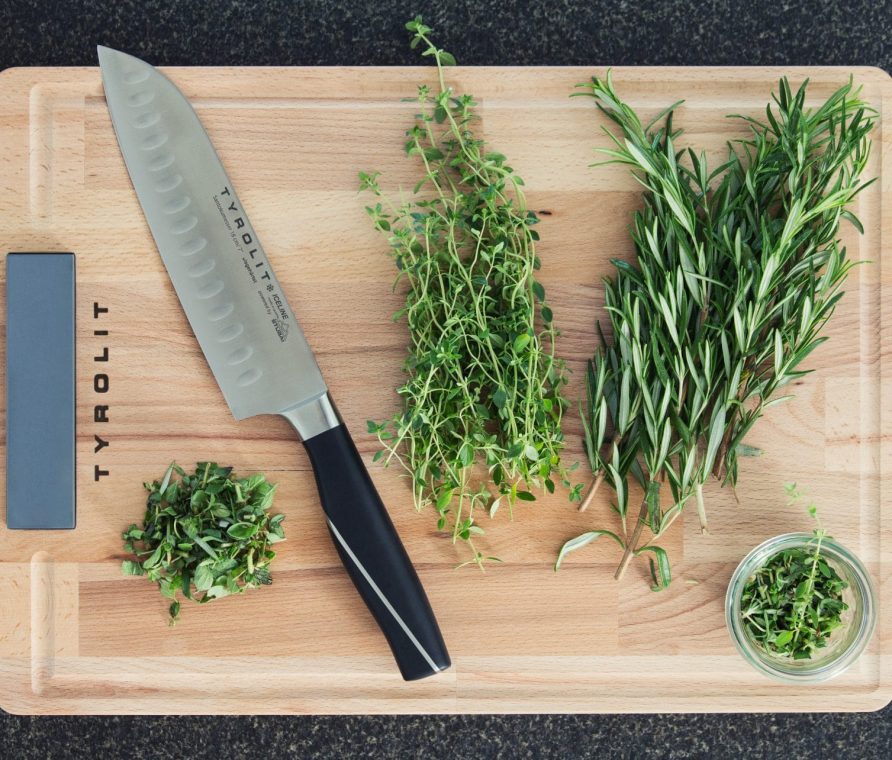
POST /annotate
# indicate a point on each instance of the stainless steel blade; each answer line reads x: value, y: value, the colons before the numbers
x: 236, y: 307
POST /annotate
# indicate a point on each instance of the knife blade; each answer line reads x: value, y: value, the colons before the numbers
x: 252, y: 341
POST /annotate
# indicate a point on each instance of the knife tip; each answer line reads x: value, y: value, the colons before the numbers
x: 109, y: 58
x: 103, y: 52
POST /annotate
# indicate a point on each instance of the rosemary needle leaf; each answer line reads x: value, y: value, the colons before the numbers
x: 586, y: 538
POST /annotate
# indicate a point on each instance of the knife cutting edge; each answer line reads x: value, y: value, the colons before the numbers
x: 254, y: 344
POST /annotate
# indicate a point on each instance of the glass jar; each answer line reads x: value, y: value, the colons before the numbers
x: 845, y: 644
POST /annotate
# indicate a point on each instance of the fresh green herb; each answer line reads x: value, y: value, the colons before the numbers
x: 737, y: 270
x: 484, y: 386
x: 206, y: 535
x: 793, y: 603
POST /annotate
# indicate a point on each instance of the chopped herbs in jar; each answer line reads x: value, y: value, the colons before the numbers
x: 794, y: 602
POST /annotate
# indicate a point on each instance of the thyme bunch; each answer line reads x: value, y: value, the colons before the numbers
x: 736, y: 271
x: 482, y: 404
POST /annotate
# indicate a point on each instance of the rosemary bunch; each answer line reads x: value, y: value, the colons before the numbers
x: 482, y: 401
x: 737, y: 270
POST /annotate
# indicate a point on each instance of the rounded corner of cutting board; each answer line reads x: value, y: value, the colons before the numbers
x: 11, y: 72
x: 878, y: 700
x: 13, y: 704
x: 875, y: 73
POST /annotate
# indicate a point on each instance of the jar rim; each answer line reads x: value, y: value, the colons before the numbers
x: 774, y: 667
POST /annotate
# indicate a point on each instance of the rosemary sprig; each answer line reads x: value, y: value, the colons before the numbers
x: 484, y: 386
x: 737, y: 270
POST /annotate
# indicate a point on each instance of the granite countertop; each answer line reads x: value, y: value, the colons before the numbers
x: 507, y: 32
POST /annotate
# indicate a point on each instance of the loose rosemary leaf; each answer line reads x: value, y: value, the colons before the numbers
x: 480, y: 427
x: 736, y: 271
x: 206, y: 535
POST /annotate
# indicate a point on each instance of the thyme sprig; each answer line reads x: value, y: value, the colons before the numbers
x: 480, y: 425
x: 737, y: 270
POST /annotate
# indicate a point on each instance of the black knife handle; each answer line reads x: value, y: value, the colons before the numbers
x: 374, y: 555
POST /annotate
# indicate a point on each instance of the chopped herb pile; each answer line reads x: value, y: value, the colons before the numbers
x: 484, y: 386
x: 206, y: 535
x: 793, y: 603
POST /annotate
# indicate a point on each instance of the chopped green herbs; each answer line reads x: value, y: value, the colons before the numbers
x: 206, y: 535
x: 793, y: 603
x: 482, y: 403
x: 737, y: 269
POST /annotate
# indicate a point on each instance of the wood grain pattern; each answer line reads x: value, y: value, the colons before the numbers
x: 77, y: 637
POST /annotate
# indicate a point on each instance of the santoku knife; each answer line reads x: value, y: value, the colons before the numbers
x: 252, y: 341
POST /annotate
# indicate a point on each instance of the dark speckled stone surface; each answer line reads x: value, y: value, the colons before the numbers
x: 508, y: 32
x: 716, y: 32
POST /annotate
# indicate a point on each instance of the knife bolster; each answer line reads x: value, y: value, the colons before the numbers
x: 313, y: 417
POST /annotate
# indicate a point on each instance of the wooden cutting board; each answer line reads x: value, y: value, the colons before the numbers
x: 77, y: 637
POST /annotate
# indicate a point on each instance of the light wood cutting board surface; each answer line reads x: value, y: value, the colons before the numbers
x: 77, y: 637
